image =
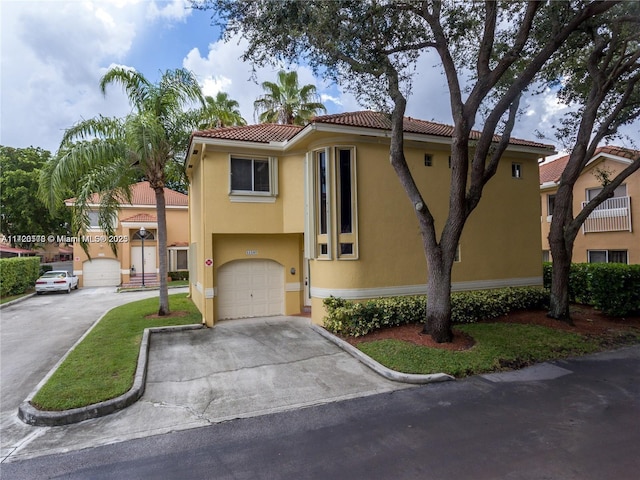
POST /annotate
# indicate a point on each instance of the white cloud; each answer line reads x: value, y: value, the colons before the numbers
x: 173, y: 10
x: 52, y: 57
x: 222, y: 69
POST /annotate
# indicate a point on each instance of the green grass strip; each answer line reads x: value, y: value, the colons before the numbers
x: 498, y: 346
x: 103, y: 365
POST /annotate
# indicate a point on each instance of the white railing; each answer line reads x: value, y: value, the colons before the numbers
x: 612, y: 215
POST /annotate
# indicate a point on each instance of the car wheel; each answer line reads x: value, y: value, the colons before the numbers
x: 69, y: 289
x: 76, y: 287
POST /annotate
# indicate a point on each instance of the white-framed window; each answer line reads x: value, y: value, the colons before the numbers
x: 178, y: 258
x: 607, y: 256
x: 620, y: 191
x: 94, y: 220
x: 516, y: 170
x: 546, y: 256
x: 253, y: 179
x: 346, y: 202
x: 322, y: 171
x: 333, y: 207
x: 428, y: 160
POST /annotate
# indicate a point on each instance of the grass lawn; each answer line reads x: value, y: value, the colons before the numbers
x: 103, y: 365
x: 15, y: 297
x: 498, y: 346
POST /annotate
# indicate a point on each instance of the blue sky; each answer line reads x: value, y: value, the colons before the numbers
x: 54, y: 52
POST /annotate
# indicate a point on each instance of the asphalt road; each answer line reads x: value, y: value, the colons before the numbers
x: 34, y: 335
x: 577, y: 419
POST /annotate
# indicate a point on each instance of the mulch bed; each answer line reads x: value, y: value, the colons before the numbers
x: 586, y: 321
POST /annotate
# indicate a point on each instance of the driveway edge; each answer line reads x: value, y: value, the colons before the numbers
x: 42, y: 418
x: 379, y: 368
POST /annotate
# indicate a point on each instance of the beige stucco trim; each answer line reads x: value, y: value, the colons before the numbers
x: 364, y: 293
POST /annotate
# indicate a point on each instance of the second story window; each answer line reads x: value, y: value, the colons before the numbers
x: 249, y: 175
x: 252, y: 178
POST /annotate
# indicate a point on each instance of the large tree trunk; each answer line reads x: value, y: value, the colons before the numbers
x: 438, y: 323
x: 561, y: 246
x: 559, y: 301
x: 162, y: 249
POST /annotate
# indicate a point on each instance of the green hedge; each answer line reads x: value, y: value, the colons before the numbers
x: 613, y: 288
x: 182, y: 275
x: 18, y: 274
x: 359, y: 318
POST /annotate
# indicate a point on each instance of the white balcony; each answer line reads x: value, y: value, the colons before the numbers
x: 612, y: 215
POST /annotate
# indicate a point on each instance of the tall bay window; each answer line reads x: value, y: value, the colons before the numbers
x: 335, y: 213
x: 346, y: 202
x: 322, y: 202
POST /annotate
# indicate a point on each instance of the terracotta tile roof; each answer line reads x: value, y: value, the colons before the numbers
x: 141, y: 218
x: 143, y: 194
x: 265, y: 133
x: 262, y: 133
x: 552, y: 171
x: 370, y: 119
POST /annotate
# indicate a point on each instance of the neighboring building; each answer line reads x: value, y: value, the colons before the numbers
x: 284, y: 216
x: 611, y: 233
x: 7, y: 251
x: 106, y: 269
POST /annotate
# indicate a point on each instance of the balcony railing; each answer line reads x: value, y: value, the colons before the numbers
x: 612, y: 215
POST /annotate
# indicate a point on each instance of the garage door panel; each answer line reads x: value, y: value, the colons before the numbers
x: 101, y: 272
x: 250, y: 288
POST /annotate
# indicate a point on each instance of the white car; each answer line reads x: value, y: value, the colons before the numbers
x: 56, y: 281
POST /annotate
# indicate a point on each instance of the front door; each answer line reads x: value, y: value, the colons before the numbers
x: 149, y: 259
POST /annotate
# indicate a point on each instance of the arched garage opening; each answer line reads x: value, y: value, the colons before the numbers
x: 250, y: 288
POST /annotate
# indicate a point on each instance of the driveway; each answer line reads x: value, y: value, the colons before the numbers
x: 34, y: 334
x: 240, y: 368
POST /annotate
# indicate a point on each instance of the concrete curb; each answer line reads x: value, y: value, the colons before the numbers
x: 379, y: 368
x: 17, y: 300
x: 32, y: 416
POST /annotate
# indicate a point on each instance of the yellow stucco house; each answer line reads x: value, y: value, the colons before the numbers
x: 104, y: 268
x: 611, y: 233
x: 283, y: 216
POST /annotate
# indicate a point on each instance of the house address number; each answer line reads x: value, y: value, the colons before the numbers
x: 252, y: 252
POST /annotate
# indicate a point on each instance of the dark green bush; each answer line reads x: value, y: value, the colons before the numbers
x: 18, y: 274
x: 359, y: 318
x: 611, y: 287
x: 615, y: 288
x: 45, y: 268
x: 181, y: 275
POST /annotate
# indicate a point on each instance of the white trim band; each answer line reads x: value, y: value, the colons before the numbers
x: 364, y: 293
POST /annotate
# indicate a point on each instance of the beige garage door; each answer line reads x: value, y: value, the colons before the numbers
x: 250, y: 288
x: 101, y: 272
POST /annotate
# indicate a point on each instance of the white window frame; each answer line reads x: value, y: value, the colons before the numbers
x: 251, y: 196
x: 173, y: 259
x: 607, y: 253
x: 352, y: 237
x: 323, y: 238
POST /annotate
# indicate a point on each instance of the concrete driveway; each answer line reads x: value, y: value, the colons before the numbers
x: 240, y: 368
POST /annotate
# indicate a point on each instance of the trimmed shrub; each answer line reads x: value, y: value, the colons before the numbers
x: 613, y: 288
x: 18, y: 274
x: 181, y: 275
x: 359, y: 318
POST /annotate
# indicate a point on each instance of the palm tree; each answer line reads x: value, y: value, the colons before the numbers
x: 108, y: 155
x: 285, y: 102
x: 220, y: 111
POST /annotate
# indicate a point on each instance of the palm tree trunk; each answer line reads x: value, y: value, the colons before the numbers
x: 162, y: 249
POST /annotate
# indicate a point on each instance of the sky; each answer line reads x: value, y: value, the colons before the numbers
x: 54, y: 52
